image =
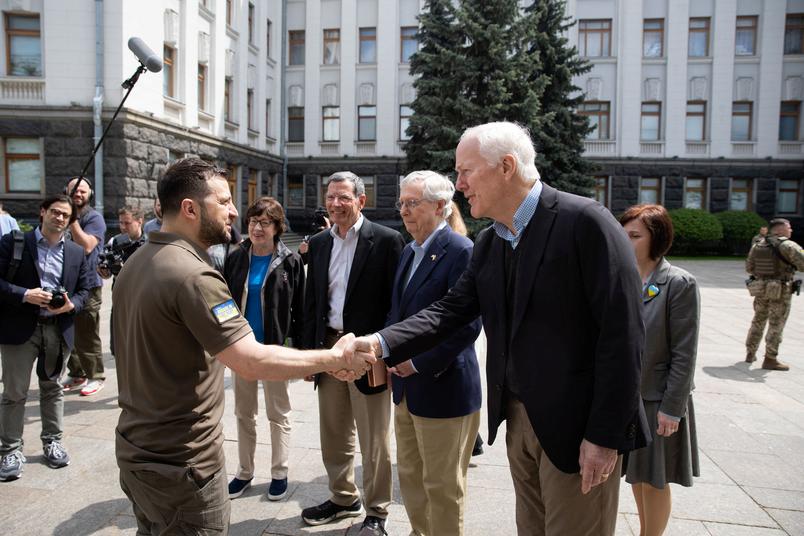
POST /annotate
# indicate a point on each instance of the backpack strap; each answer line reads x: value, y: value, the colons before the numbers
x: 16, y: 258
x: 779, y: 255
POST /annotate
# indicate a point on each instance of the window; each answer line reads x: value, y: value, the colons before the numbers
x: 788, y: 120
x: 794, y: 34
x: 229, y: 12
x: 696, y: 120
x: 295, y: 123
x: 332, y: 47
x: 227, y: 99
x: 251, y: 32
x: 23, y: 46
x: 294, y: 197
x: 268, y: 129
x: 650, y: 189
x: 331, y: 118
x: 366, y: 123
x: 602, y: 190
x: 169, y: 72
x: 296, y: 47
x: 408, y: 41
x: 651, y: 126
x: 23, y: 167
x: 594, y: 38
x: 268, y: 30
x: 598, y: 114
x: 653, y: 38
x: 740, y: 198
x: 741, y: 121
x: 231, y: 179
x: 405, y: 111
x: 368, y: 45
x: 746, y: 36
x: 371, y: 195
x: 695, y: 193
x: 253, y: 174
x: 698, y: 37
x: 202, y: 86
x: 787, y: 197
x: 251, y: 123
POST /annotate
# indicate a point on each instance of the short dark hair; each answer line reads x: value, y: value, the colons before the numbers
x: 270, y: 207
x: 656, y: 219
x: 134, y: 212
x: 776, y: 222
x: 60, y: 198
x: 186, y: 178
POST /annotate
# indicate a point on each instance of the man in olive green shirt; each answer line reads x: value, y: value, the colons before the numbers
x: 180, y: 327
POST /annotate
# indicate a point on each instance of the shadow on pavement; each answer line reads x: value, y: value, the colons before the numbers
x: 80, y: 524
x: 740, y: 371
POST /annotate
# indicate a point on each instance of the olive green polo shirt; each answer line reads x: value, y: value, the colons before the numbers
x: 172, y: 313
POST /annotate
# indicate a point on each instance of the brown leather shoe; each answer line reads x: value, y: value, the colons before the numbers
x: 774, y: 364
x: 750, y: 357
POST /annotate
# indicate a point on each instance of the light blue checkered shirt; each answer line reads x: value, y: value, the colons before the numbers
x: 522, y: 216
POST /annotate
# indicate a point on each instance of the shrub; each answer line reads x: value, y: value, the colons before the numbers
x: 697, y: 232
x: 739, y: 227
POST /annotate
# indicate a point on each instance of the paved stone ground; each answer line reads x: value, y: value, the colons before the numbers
x: 750, y: 428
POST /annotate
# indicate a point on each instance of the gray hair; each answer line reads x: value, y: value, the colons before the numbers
x: 436, y: 187
x: 495, y: 140
x: 358, y: 186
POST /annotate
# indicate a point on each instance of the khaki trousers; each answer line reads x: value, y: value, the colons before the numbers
x: 86, y: 361
x: 432, y: 457
x: 343, y: 409
x: 548, y: 501
x: 277, y: 407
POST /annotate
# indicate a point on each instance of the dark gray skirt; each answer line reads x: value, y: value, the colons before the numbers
x: 666, y: 460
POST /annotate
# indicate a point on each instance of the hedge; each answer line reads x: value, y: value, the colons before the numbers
x: 739, y: 227
x: 697, y: 232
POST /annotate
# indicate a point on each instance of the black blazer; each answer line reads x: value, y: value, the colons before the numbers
x: 18, y: 319
x: 368, y: 291
x: 572, y: 351
x: 447, y: 384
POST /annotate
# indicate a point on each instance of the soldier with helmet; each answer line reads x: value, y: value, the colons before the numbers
x: 772, y: 264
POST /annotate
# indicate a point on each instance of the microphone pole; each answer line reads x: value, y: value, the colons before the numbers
x: 129, y: 85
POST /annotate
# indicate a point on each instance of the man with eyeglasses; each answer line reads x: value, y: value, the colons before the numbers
x: 350, y: 274
x: 41, y: 289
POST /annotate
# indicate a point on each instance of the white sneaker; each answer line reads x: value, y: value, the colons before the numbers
x: 71, y: 383
x: 92, y: 387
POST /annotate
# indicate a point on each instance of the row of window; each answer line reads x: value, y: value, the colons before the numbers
x: 742, y: 114
x: 594, y: 36
x: 741, y: 193
x: 331, y: 123
x: 367, y: 45
x: 294, y: 191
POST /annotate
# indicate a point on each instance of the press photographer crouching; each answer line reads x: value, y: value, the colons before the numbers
x: 320, y: 223
x: 120, y: 247
x: 44, y: 281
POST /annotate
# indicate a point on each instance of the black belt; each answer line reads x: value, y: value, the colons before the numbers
x: 47, y: 320
x: 334, y: 332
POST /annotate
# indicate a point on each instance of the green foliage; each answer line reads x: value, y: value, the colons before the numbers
x: 25, y: 227
x: 481, y: 61
x: 696, y: 232
x: 739, y: 227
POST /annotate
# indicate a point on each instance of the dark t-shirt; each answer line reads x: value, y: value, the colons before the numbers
x: 92, y: 223
x: 174, y: 311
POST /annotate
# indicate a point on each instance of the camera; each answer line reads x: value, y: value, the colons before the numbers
x: 59, y: 296
x: 319, y: 220
x: 116, y: 253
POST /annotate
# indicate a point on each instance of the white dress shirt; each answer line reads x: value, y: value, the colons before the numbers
x: 340, y: 265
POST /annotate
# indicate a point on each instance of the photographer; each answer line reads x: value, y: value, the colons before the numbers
x: 44, y: 281
x: 120, y: 247
x: 320, y: 223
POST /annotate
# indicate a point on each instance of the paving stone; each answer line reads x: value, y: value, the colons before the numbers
x: 723, y: 529
x: 791, y: 521
x: 760, y: 470
x: 777, y: 498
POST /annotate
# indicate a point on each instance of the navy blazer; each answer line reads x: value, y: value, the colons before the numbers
x: 18, y: 319
x: 571, y: 351
x: 448, y: 381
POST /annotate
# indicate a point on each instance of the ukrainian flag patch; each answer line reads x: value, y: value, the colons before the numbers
x: 225, y: 311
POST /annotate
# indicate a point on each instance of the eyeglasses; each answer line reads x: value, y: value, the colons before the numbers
x: 59, y: 213
x: 264, y: 224
x: 342, y: 198
x: 410, y: 203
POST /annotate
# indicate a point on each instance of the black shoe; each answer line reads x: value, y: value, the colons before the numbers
x: 329, y: 511
x: 478, y: 448
x: 373, y: 526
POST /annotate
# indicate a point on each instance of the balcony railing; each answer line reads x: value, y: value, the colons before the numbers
x: 790, y: 147
x: 329, y: 148
x: 742, y: 148
x: 653, y: 148
x: 365, y: 147
x: 294, y: 149
x: 599, y: 147
x: 698, y: 148
x: 17, y: 90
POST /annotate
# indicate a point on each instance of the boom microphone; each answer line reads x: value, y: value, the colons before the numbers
x: 146, y: 56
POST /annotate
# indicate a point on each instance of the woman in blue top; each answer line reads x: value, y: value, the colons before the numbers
x: 267, y: 281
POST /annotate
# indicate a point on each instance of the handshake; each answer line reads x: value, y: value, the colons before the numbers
x: 357, y: 355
